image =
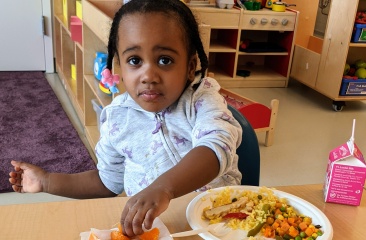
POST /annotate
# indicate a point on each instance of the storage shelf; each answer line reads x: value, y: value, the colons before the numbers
x: 64, y: 23
x: 264, y: 53
x: 102, y: 97
x: 357, y: 45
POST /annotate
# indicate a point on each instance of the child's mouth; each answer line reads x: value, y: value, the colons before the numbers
x: 149, y: 95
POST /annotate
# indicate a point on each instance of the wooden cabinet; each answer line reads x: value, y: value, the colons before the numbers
x: 229, y: 27
x: 221, y: 31
x: 318, y: 62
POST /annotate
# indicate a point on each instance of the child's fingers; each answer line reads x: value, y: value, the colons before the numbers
x: 17, y: 188
x: 149, y: 218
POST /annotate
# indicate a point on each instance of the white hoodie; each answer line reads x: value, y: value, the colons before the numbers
x: 137, y: 146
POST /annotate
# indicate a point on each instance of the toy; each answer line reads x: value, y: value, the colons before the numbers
x: 110, y: 80
x: 100, y: 63
x: 104, y: 89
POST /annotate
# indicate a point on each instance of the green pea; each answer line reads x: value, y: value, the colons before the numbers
x: 260, y: 197
x: 302, y: 234
x: 283, y: 209
x: 298, y: 238
x: 319, y: 233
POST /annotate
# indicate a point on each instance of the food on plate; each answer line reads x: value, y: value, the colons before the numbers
x: 152, y: 234
x: 260, y: 213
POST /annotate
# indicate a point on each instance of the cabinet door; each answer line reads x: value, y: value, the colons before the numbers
x: 335, y: 48
x: 22, y: 43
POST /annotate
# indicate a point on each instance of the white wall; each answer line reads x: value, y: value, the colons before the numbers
x: 48, y: 39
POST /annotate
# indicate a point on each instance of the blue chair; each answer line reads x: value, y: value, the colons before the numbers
x: 248, y: 151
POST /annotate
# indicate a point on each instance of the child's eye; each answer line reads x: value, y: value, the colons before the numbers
x: 165, y: 61
x: 134, y: 61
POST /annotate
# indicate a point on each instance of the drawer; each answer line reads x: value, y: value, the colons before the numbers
x: 273, y: 21
x: 217, y: 18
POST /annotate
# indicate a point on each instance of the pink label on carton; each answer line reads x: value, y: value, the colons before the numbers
x: 346, y: 173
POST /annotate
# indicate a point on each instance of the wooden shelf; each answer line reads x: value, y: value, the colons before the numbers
x: 264, y: 53
x: 320, y: 63
x: 361, y: 45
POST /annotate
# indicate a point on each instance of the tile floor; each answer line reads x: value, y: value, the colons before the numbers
x: 307, y: 128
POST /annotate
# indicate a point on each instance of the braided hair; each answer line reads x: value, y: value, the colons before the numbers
x: 174, y: 8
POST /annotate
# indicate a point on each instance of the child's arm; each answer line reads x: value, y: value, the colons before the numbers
x: 30, y: 178
x: 196, y: 169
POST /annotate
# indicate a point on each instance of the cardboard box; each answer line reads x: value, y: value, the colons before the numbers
x: 346, y: 173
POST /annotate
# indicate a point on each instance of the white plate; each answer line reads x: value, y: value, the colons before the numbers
x: 196, y: 206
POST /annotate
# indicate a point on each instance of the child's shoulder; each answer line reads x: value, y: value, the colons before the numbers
x: 207, y: 84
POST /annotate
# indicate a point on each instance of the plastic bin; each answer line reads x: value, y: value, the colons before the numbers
x: 356, y: 36
x: 352, y: 87
x: 98, y: 110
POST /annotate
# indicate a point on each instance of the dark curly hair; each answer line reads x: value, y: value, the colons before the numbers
x: 174, y: 8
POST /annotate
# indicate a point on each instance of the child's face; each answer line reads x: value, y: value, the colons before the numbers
x: 154, y: 60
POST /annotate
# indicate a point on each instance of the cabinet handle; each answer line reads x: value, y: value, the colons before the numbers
x: 253, y: 21
x: 274, y: 21
x: 284, y: 22
x: 264, y: 21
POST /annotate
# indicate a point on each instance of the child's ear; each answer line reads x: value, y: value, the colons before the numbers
x: 192, y: 65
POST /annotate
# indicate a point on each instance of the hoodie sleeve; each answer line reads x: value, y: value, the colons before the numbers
x: 111, y: 164
x: 215, y: 127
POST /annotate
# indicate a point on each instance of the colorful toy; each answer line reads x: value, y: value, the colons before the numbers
x: 110, y: 80
x: 104, y: 89
x: 100, y: 63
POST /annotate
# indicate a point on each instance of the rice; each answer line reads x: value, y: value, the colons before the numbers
x: 256, y: 201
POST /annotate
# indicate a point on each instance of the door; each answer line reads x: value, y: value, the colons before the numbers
x: 21, y: 36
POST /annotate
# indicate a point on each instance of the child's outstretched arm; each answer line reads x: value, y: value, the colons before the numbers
x: 27, y: 177
x: 196, y: 169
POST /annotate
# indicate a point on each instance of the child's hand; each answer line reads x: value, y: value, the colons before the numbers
x: 27, y: 177
x: 143, y: 208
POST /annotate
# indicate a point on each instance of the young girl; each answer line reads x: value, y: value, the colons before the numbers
x: 169, y: 134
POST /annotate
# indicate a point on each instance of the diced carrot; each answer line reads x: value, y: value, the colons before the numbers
x: 269, y: 232
x: 291, y: 220
x: 275, y: 225
x: 280, y: 232
x: 309, y: 231
x: 285, y: 226
x: 278, y: 211
x: 293, y: 232
x: 303, y: 226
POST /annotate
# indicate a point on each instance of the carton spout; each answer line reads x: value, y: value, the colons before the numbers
x: 353, y: 131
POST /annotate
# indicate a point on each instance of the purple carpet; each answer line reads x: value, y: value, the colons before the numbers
x: 34, y: 128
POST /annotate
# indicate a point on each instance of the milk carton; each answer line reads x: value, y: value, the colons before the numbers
x: 346, y: 173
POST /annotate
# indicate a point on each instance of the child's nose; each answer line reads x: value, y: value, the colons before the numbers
x: 150, y: 74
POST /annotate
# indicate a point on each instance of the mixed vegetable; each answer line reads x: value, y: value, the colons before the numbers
x: 258, y: 213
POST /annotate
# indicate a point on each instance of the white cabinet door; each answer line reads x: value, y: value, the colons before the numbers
x: 21, y: 36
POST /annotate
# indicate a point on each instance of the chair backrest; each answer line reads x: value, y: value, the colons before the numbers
x: 248, y: 151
